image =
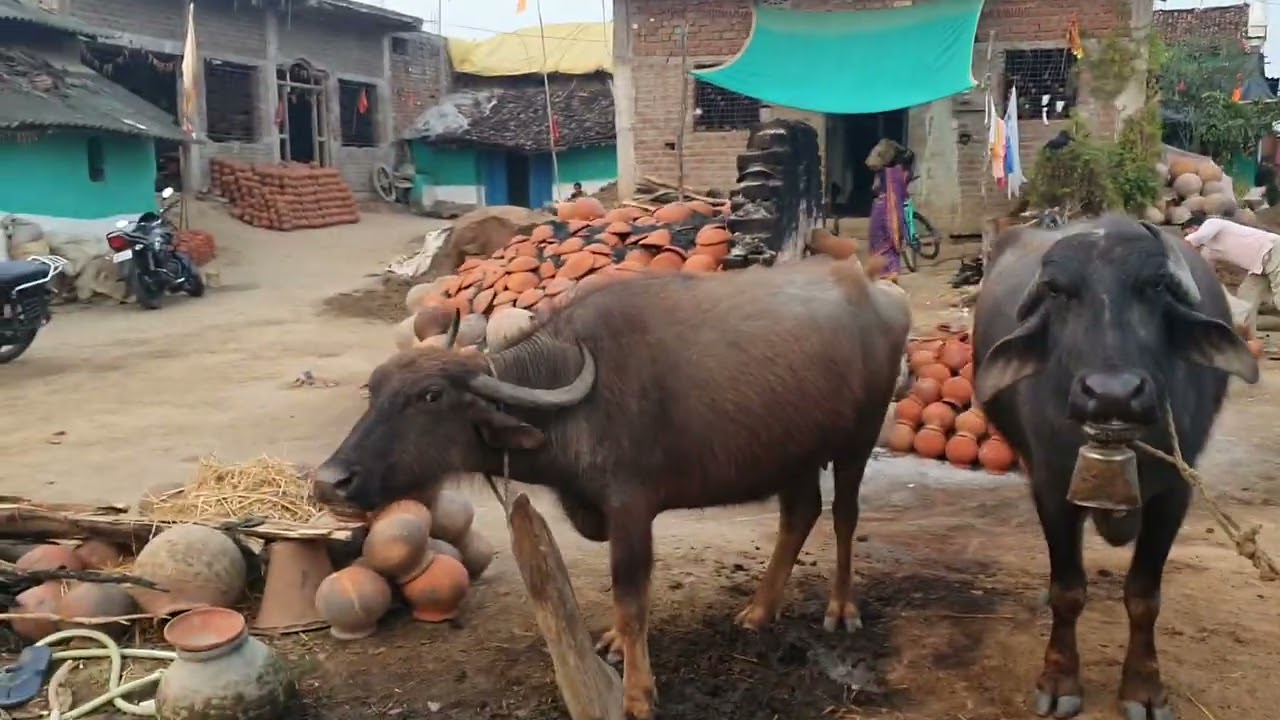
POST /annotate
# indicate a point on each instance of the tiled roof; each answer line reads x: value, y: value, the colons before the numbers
x: 22, y: 11
x: 1229, y: 22
x: 35, y: 93
x: 513, y: 114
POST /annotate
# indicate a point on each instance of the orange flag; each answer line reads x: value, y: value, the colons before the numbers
x: 522, y: 5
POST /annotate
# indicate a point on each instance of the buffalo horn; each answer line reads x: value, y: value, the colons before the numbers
x: 497, y: 390
x: 452, y: 337
x: 1178, y: 268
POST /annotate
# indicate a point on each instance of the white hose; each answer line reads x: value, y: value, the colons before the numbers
x: 115, y: 690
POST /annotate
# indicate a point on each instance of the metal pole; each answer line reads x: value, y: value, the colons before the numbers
x: 551, y: 128
x: 684, y: 102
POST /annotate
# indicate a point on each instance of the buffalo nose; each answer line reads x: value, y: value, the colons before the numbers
x: 1115, y: 396
x: 333, y: 480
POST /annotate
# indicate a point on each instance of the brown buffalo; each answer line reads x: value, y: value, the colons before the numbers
x: 661, y: 392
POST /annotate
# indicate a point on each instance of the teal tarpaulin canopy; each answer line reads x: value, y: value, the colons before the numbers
x: 855, y: 61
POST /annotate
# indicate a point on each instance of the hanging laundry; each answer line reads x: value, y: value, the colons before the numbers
x: 996, y: 143
x: 1013, y: 158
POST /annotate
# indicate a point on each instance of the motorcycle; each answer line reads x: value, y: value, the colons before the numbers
x: 24, y: 302
x: 155, y: 266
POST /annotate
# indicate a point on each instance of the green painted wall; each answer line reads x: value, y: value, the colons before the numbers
x: 593, y: 163
x: 445, y: 165
x: 51, y: 176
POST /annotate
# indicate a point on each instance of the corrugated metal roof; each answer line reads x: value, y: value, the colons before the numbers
x: 25, y: 12
x: 35, y: 93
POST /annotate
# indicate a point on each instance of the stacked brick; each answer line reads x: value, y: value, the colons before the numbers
x: 288, y: 196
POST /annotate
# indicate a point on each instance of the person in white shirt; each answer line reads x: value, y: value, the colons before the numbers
x: 1248, y: 248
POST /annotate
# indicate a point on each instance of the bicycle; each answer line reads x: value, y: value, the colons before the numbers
x: 922, y: 240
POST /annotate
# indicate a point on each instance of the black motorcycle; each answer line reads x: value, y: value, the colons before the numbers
x: 24, y: 302
x: 154, y: 265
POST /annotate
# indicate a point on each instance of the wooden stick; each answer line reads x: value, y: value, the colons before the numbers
x: 663, y: 183
x: 9, y: 570
x: 31, y: 521
x: 80, y: 620
x: 590, y: 688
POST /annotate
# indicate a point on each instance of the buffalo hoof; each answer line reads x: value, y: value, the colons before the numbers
x: 840, y: 615
x: 756, y: 616
x: 610, y: 646
x: 1140, y: 711
x: 1062, y: 706
x: 1142, y: 697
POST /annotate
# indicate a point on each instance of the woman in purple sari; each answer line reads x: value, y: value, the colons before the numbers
x: 888, y: 225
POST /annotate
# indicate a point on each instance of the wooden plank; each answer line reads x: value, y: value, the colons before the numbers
x: 591, y: 690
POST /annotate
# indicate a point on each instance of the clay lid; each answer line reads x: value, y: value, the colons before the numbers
x: 506, y: 297
x: 602, y: 261
x: 629, y: 266
x: 666, y: 261
x: 502, y: 306
x: 712, y: 235
x: 618, y: 227
x: 471, y: 278
x: 702, y: 208
x: 483, y: 301
x: 609, y: 239
x: 559, y: 285
x: 566, y: 210
x: 639, y: 256
x: 600, y: 223
x: 519, y: 282
x: 470, y: 263
x: 673, y: 213
x: 530, y: 297
x: 645, y: 220
x: 657, y: 239
x: 517, y: 239
x: 684, y: 254
x: 600, y: 248
x: 577, y: 265
x: 588, y: 208
x: 577, y: 226
x: 542, y: 232
x: 449, y: 285
x: 547, y: 269
x: 522, y: 264
x: 492, y: 275
x: 700, y: 264
x: 204, y: 628
x: 572, y: 245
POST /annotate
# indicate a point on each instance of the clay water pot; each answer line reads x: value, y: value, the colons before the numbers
x: 930, y: 442
x: 222, y: 673
x: 966, y: 372
x: 972, y: 422
x: 955, y: 354
x: 667, y: 261
x: 295, y: 569
x: 96, y: 554
x: 927, y: 390
x: 902, y: 437
x: 477, y: 552
x: 198, y: 565
x: 920, y: 358
x: 909, y: 411
x: 939, y: 415
x: 962, y: 449
x: 451, y: 516
x: 50, y: 556
x: 995, y: 455
x: 397, y: 539
x: 436, y: 595
x: 440, y: 547
x: 353, y: 600
x: 43, y: 598
x: 957, y: 391
x: 86, y: 600
x: 937, y: 371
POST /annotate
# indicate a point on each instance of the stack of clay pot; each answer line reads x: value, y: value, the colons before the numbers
x: 197, y: 245
x: 1194, y: 184
x: 70, y: 600
x: 285, y: 196
x: 585, y: 246
x: 937, y: 419
x: 430, y: 551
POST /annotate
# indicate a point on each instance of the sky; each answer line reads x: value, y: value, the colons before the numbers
x: 477, y: 19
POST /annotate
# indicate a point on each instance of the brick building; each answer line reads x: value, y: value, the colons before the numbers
x: 331, y: 81
x: 1024, y: 39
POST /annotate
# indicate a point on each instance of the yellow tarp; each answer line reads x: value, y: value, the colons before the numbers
x: 572, y: 49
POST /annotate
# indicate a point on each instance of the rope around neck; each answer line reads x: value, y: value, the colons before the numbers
x: 1245, y: 539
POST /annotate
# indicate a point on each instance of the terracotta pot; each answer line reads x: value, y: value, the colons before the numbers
x: 957, y: 391
x: 295, y: 569
x: 451, y: 515
x: 927, y: 391
x: 673, y: 214
x: 909, y: 410
x: 50, y: 557
x: 962, y: 449
x: 440, y: 547
x: 701, y: 207
x: 221, y: 673
x: 717, y: 253
x: 477, y: 552
x: 902, y: 437
x: 822, y: 242
x: 966, y: 372
x: 43, y: 598
x: 198, y: 565
x: 939, y: 415
x: 937, y: 371
x: 921, y: 358
x: 86, y: 600
x: 588, y: 208
x: 954, y: 355
x: 352, y: 600
x: 667, y: 262
x: 700, y: 264
x: 930, y: 442
x: 713, y: 235
x: 995, y: 455
x: 431, y: 321
x: 396, y: 543
x: 436, y: 595
x: 96, y: 554
x: 972, y: 422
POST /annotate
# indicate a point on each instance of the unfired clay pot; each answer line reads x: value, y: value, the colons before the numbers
x: 397, y: 540
x: 198, y: 565
x: 352, y: 600
x: 43, y: 598
x: 451, y: 516
x: 85, y: 600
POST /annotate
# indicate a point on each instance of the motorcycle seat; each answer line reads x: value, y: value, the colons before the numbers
x: 20, y: 272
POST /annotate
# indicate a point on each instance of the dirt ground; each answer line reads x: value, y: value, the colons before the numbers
x: 950, y: 563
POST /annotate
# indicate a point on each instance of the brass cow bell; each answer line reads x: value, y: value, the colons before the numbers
x: 1106, y: 471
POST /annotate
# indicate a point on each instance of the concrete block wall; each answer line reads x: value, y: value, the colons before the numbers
x: 648, y: 67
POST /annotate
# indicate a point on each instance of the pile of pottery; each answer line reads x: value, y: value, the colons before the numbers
x: 430, y: 552
x: 1194, y: 184
x: 937, y: 419
x: 586, y: 245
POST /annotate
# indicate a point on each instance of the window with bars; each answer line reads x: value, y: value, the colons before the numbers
x: 356, y: 105
x: 230, y: 101
x: 717, y: 109
x: 1045, y: 79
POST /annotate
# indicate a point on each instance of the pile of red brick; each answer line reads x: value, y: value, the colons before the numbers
x: 288, y: 196
x: 198, y: 245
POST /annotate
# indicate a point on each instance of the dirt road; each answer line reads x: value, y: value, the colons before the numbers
x: 951, y: 564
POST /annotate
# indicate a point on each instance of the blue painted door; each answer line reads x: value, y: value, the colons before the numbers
x: 540, y: 180
x: 493, y: 177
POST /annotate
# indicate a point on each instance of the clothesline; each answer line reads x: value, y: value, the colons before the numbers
x: 1002, y: 144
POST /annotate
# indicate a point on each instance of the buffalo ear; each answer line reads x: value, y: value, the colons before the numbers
x: 1018, y: 355
x: 1212, y: 343
x: 502, y: 431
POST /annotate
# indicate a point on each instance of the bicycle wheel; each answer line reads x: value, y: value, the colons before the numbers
x: 910, y: 256
x: 928, y: 239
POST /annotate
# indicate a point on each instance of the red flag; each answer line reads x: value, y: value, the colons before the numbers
x: 362, y: 106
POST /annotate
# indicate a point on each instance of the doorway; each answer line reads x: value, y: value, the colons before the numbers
x: 850, y: 139
x: 518, y: 179
x: 300, y: 113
